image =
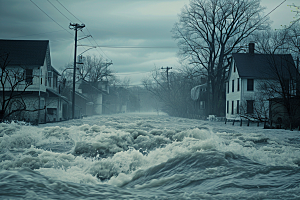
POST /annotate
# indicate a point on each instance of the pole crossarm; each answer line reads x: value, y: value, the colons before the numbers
x: 76, y: 26
x: 167, y: 70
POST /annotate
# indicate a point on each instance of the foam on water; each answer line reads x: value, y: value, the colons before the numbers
x: 144, y: 153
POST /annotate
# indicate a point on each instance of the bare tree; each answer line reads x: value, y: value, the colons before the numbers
x: 272, y: 41
x: 13, y: 84
x: 259, y: 110
x: 282, y: 89
x: 208, y: 31
x: 174, y: 92
x: 94, y: 69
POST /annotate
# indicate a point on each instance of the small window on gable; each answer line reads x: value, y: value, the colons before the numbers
x: 234, y: 68
x: 250, y: 84
x: 29, y: 76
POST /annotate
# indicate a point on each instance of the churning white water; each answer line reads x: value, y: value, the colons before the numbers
x: 147, y: 156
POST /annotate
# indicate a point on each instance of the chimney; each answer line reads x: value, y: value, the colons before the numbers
x: 251, y: 48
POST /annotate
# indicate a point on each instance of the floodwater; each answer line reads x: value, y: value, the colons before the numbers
x: 147, y: 156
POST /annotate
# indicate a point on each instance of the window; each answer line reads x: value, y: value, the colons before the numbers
x: 202, y: 104
x: 29, y: 76
x: 234, y: 68
x: 250, y: 106
x: 228, y: 87
x: 232, y: 107
x: 50, y: 76
x: 232, y: 85
x: 49, y: 81
x: 238, y: 84
x: 54, y: 81
x: 227, y: 107
x: 41, y: 72
x: 250, y: 84
x: 237, y: 107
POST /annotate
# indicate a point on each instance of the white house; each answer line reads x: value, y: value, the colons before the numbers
x: 248, y: 72
x: 36, y: 85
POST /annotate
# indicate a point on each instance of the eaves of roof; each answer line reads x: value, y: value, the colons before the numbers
x: 264, y: 66
x: 24, y: 52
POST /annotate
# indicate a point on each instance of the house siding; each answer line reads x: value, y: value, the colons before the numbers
x: 38, y: 62
x: 235, y: 95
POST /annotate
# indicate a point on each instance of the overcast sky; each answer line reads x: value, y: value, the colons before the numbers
x: 114, y: 24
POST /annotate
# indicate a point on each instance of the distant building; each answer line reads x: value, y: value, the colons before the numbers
x: 93, y: 91
x: 199, y: 95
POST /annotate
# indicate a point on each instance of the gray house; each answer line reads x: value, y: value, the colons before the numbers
x: 29, y: 82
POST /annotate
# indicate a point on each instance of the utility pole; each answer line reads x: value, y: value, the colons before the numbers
x: 167, y: 70
x: 75, y: 27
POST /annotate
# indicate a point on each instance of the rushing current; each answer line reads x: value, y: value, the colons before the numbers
x: 147, y: 156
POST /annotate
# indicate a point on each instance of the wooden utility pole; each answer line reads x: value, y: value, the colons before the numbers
x: 75, y: 27
x: 167, y: 70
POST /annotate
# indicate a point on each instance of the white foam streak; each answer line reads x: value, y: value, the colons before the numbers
x: 121, y: 150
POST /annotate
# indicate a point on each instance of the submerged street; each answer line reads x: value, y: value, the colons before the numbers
x: 147, y: 156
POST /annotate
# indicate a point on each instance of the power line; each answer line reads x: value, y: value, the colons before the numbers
x: 59, y: 11
x: 69, y: 12
x: 64, y: 14
x: 273, y: 10
x: 50, y: 17
x: 97, y: 45
x: 86, y: 29
x: 134, y: 47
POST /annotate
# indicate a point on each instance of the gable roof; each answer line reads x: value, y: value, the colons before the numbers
x: 88, y: 87
x: 199, y: 92
x: 264, y: 66
x: 24, y: 52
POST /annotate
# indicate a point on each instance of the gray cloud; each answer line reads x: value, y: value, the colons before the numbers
x: 112, y: 23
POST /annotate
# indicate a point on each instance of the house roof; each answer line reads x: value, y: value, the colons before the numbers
x: 24, y: 52
x: 198, y: 92
x: 89, y: 87
x: 265, y: 66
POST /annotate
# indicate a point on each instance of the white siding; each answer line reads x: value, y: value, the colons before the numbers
x: 261, y: 103
x: 235, y: 95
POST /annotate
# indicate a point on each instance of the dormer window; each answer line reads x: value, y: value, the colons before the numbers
x: 29, y: 76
